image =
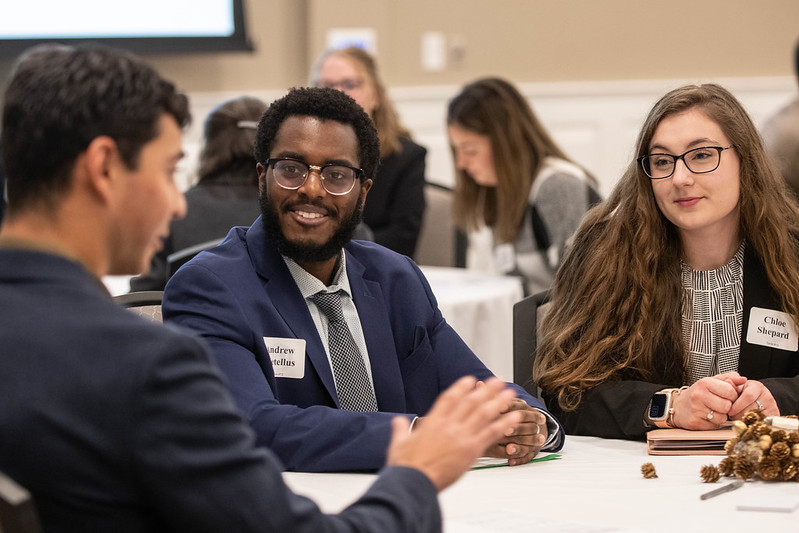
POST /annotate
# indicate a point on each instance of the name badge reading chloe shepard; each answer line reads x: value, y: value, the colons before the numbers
x: 776, y: 329
x: 288, y: 356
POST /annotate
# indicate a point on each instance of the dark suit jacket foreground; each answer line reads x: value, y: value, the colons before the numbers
x: 240, y: 294
x: 117, y: 424
x: 615, y: 409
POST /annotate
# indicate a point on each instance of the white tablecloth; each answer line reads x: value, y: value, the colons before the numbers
x: 596, y: 486
x: 479, y: 307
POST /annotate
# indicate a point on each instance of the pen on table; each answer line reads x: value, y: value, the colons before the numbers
x: 737, y: 484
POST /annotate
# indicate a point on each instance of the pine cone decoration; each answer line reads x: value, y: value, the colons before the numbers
x: 648, y: 470
x: 780, y: 450
x: 788, y: 470
x: 769, y: 468
x: 709, y: 473
x: 795, y: 451
x: 729, y: 446
x: 749, y: 450
x: 752, y: 417
x: 726, y: 465
x: 793, y: 438
x: 761, y: 428
x: 779, y: 435
x: 744, y: 469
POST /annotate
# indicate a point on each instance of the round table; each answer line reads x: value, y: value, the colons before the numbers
x: 479, y: 307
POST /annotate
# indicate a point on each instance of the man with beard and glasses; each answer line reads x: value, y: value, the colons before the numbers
x: 325, y: 339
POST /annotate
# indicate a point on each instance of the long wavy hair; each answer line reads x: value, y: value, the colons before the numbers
x: 387, y: 121
x: 519, y: 143
x: 616, y: 303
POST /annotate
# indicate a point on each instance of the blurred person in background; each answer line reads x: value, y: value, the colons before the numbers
x: 781, y: 137
x: 396, y: 201
x: 511, y: 177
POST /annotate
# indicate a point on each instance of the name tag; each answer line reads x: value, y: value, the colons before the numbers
x: 288, y: 356
x: 776, y: 329
x: 505, y: 257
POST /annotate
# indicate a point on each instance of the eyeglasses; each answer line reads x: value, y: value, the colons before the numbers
x: 344, y: 85
x: 699, y: 161
x: 292, y: 173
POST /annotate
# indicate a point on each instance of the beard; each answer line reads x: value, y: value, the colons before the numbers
x: 300, y: 252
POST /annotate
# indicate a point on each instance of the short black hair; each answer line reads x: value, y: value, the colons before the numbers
x: 60, y: 98
x: 325, y: 104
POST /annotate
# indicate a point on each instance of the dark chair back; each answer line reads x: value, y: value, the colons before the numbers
x: 527, y: 316
x: 17, y: 512
x: 177, y: 259
x: 144, y: 303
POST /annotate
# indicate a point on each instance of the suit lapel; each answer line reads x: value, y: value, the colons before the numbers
x: 287, y: 300
x: 377, y: 331
x: 754, y: 360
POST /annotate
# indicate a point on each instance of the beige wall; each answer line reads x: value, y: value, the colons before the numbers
x: 566, y: 40
x: 523, y: 40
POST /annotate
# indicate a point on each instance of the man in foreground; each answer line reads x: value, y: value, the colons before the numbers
x: 118, y: 424
x: 324, y: 339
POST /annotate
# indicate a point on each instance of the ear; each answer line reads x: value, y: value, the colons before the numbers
x: 261, y: 169
x: 101, y: 159
x: 365, y: 186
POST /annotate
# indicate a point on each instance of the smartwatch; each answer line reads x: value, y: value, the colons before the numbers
x: 660, y: 410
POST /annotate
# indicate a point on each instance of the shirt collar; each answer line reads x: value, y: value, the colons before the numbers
x: 310, y: 285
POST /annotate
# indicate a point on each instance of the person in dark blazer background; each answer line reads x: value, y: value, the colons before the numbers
x: 396, y: 203
x: 115, y: 423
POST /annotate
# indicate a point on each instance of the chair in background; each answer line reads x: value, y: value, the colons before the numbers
x: 177, y: 259
x: 440, y: 243
x: 144, y: 303
x: 17, y: 512
x: 527, y: 317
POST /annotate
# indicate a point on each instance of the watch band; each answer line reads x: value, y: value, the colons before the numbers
x: 667, y: 422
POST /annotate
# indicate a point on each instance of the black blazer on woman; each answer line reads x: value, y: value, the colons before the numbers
x: 395, y: 204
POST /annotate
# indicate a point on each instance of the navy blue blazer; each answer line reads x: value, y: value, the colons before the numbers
x: 118, y: 424
x: 241, y: 291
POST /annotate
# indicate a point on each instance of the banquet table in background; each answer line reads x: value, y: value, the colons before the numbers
x: 479, y: 307
x: 595, y: 487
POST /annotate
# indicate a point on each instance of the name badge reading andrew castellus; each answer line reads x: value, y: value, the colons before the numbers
x: 288, y: 356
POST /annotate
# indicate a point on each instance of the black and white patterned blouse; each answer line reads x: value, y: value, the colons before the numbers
x: 712, y: 313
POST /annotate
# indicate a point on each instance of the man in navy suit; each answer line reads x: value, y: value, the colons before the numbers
x: 118, y: 424
x: 253, y: 299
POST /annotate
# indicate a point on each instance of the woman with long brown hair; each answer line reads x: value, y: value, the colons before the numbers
x: 510, y: 176
x: 396, y: 202
x: 677, y: 303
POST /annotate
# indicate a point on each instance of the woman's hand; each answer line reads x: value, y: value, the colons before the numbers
x: 753, y: 396
x: 706, y: 403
